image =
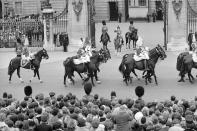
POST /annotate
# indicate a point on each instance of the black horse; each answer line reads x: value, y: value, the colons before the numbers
x: 15, y: 64
x: 129, y: 65
x: 92, y: 67
x: 131, y: 36
x: 184, y: 65
x: 105, y: 39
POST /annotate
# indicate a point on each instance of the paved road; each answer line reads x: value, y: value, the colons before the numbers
x: 52, y: 72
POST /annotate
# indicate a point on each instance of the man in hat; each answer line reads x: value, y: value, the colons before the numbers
x: 142, y: 52
x: 88, y: 90
x: 105, y: 36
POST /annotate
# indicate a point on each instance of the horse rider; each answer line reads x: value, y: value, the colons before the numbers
x: 131, y: 27
x: 19, y: 47
x: 104, y: 31
x: 85, y: 53
x: 119, y: 32
x: 27, y: 55
x: 142, y: 51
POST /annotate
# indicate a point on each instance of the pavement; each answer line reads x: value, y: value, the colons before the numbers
x: 52, y: 72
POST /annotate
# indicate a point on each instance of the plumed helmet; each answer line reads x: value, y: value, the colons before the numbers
x: 28, y: 90
x: 103, y: 22
x: 139, y: 91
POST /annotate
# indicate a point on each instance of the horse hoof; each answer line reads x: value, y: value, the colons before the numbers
x: 181, y: 80
x: 41, y: 81
x: 65, y: 85
x: 98, y: 82
x: 10, y: 82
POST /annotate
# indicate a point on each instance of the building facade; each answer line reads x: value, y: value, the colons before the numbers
x: 27, y: 7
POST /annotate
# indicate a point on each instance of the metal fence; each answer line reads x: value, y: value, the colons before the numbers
x: 12, y: 28
x: 191, y: 16
x: 60, y: 25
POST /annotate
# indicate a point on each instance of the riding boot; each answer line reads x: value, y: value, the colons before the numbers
x: 145, y: 65
x: 32, y: 65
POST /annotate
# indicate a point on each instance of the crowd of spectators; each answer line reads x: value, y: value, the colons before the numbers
x: 95, y: 113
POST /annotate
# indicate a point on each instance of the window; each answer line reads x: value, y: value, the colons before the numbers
x: 18, y: 8
x: 142, y: 2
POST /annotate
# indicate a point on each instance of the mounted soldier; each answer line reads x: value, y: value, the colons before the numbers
x: 84, y: 54
x: 118, y: 40
x: 131, y: 27
x: 105, y: 36
x: 142, y: 53
x: 27, y: 56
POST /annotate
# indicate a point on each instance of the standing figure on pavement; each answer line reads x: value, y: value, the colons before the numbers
x: 190, y: 40
x: 142, y: 52
x: 118, y: 41
x: 105, y: 36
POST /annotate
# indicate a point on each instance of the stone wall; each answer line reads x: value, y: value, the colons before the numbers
x: 177, y: 28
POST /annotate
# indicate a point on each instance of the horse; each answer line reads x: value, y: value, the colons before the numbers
x: 92, y: 67
x: 184, y: 65
x: 105, y: 39
x: 106, y: 53
x: 129, y: 65
x: 131, y: 36
x: 118, y: 43
x: 16, y: 63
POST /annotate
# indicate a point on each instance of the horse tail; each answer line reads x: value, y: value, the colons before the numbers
x: 122, y: 68
x: 180, y: 61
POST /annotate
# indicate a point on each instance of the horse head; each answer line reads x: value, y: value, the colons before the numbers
x: 43, y: 54
x: 161, y: 52
x: 105, y: 53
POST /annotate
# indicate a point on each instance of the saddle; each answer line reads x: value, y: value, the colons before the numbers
x: 24, y: 62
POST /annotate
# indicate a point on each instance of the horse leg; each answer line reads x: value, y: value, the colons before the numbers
x: 155, y: 78
x: 65, y: 75
x: 96, y: 77
x: 38, y: 74
x: 182, y: 77
x: 11, y: 73
x: 33, y: 77
x: 135, y: 74
x: 190, y: 77
x: 19, y: 76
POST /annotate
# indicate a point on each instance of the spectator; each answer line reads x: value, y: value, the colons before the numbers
x: 190, y: 40
x: 88, y: 89
x: 176, y: 119
x: 43, y: 126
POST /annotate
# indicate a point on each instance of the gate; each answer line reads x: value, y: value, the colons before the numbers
x: 165, y: 17
x: 12, y: 28
x: 91, y: 21
x: 191, y: 16
x: 60, y: 24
